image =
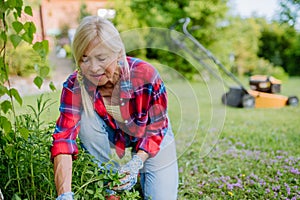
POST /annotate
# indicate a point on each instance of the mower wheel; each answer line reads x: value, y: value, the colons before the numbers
x: 293, y: 101
x: 248, y: 101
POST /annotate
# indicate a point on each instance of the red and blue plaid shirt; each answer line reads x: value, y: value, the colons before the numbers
x: 143, y: 106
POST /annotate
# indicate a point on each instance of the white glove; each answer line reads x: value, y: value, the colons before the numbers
x: 131, y: 170
x: 66, y: 196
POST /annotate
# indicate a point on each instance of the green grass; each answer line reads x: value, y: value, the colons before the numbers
x: 256, y: 152
x: 225, y: 152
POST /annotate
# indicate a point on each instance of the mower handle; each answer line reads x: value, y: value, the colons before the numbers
x: 185, y: 22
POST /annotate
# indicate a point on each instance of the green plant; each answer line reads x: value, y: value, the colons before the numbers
x: 24, y: 61
x: 27, y: 172
x: 12, y: 33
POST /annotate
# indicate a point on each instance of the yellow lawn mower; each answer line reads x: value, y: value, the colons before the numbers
x: 263, y: 89
x: 262, y: 94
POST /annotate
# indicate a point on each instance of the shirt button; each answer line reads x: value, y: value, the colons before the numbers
x: 122, y: 104
x: 121, y: 99
x: 126, y: 121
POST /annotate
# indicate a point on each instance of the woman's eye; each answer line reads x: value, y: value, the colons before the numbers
x: 101, y: 59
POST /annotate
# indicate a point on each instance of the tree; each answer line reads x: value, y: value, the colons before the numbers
x: 290, y: 11
x: 144, y: 14
x: 279, y: 43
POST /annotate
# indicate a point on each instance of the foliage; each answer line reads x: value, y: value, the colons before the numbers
x: 279, y: 43
x: 227, y: 37
x: 26, y: 171
x: 83, y: 12
x: 13, y: 32
x: 23, y: 61
x: 289, y: 12
x: 206, y: 14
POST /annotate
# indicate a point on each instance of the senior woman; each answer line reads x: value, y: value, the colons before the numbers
x: 112, y: 102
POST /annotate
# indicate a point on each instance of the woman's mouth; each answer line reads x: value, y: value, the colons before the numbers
x: 97, y: 76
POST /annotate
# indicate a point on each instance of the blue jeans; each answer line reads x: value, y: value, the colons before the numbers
x: 159, y: 176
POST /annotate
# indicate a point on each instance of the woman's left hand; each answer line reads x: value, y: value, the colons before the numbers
x: 131, y: 171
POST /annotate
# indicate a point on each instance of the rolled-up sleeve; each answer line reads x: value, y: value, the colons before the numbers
x: 68, y: 123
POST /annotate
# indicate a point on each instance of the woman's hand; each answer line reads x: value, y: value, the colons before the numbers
x: 131, y: 171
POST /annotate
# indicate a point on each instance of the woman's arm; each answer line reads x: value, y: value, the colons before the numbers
x: 63, y: 173
x: 143, y: 155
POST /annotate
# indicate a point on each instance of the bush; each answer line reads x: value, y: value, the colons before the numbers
x: 26, y: 171
x: 264, y: 67
x: 24, y: 61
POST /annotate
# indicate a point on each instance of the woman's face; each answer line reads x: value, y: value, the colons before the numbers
x: 99, y: 64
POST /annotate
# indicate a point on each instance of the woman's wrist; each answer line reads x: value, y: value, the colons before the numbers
x: 143, y: 155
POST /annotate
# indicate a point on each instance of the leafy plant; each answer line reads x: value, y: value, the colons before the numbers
x: 27, y: 172
x: 24, y: 61
x: 13, y: 32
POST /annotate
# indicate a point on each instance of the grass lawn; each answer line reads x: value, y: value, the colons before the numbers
x: 224, y: 152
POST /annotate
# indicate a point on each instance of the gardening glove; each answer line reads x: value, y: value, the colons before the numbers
x: 66, y: 196
x: 131, y: 170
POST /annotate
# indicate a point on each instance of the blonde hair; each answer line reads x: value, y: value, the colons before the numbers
x: 90, y: 28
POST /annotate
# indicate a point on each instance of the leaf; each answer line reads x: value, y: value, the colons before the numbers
x: 90, y: 191
x: 15, y: 39
x: 5, y: 124
x: 52, y: 86
x: 3, y: 90
x: 3, y: 36
x: 27, y: 37
x: 6, y: 106
x: 12, y: 3
x: 41, y: 48
x: 38, y: 81
x: 24, y: 133
x: 16, y: 95
x: 44, y: 71
x: 30, y: 29
x: 18, y: 26
x: 16, y: 197
x: 8, y: 149
x: 28, y: 10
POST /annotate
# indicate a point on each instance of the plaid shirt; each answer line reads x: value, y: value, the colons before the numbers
x: 143, y: 106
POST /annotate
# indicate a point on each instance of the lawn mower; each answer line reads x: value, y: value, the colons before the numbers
x: 263, y: 89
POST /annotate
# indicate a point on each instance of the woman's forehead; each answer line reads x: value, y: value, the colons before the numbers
x: 97, y: 47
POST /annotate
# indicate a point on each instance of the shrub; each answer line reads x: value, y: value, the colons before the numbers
x: 24, y: 61
x: 26, y: 171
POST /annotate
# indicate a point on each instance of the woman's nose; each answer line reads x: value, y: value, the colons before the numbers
x: 95, y: 67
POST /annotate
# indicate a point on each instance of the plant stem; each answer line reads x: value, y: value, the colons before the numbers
x: 17, y: 172
x: 32, y: 177
x: 3, y: 52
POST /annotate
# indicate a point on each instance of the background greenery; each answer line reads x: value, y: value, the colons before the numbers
x: 254, y: 42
